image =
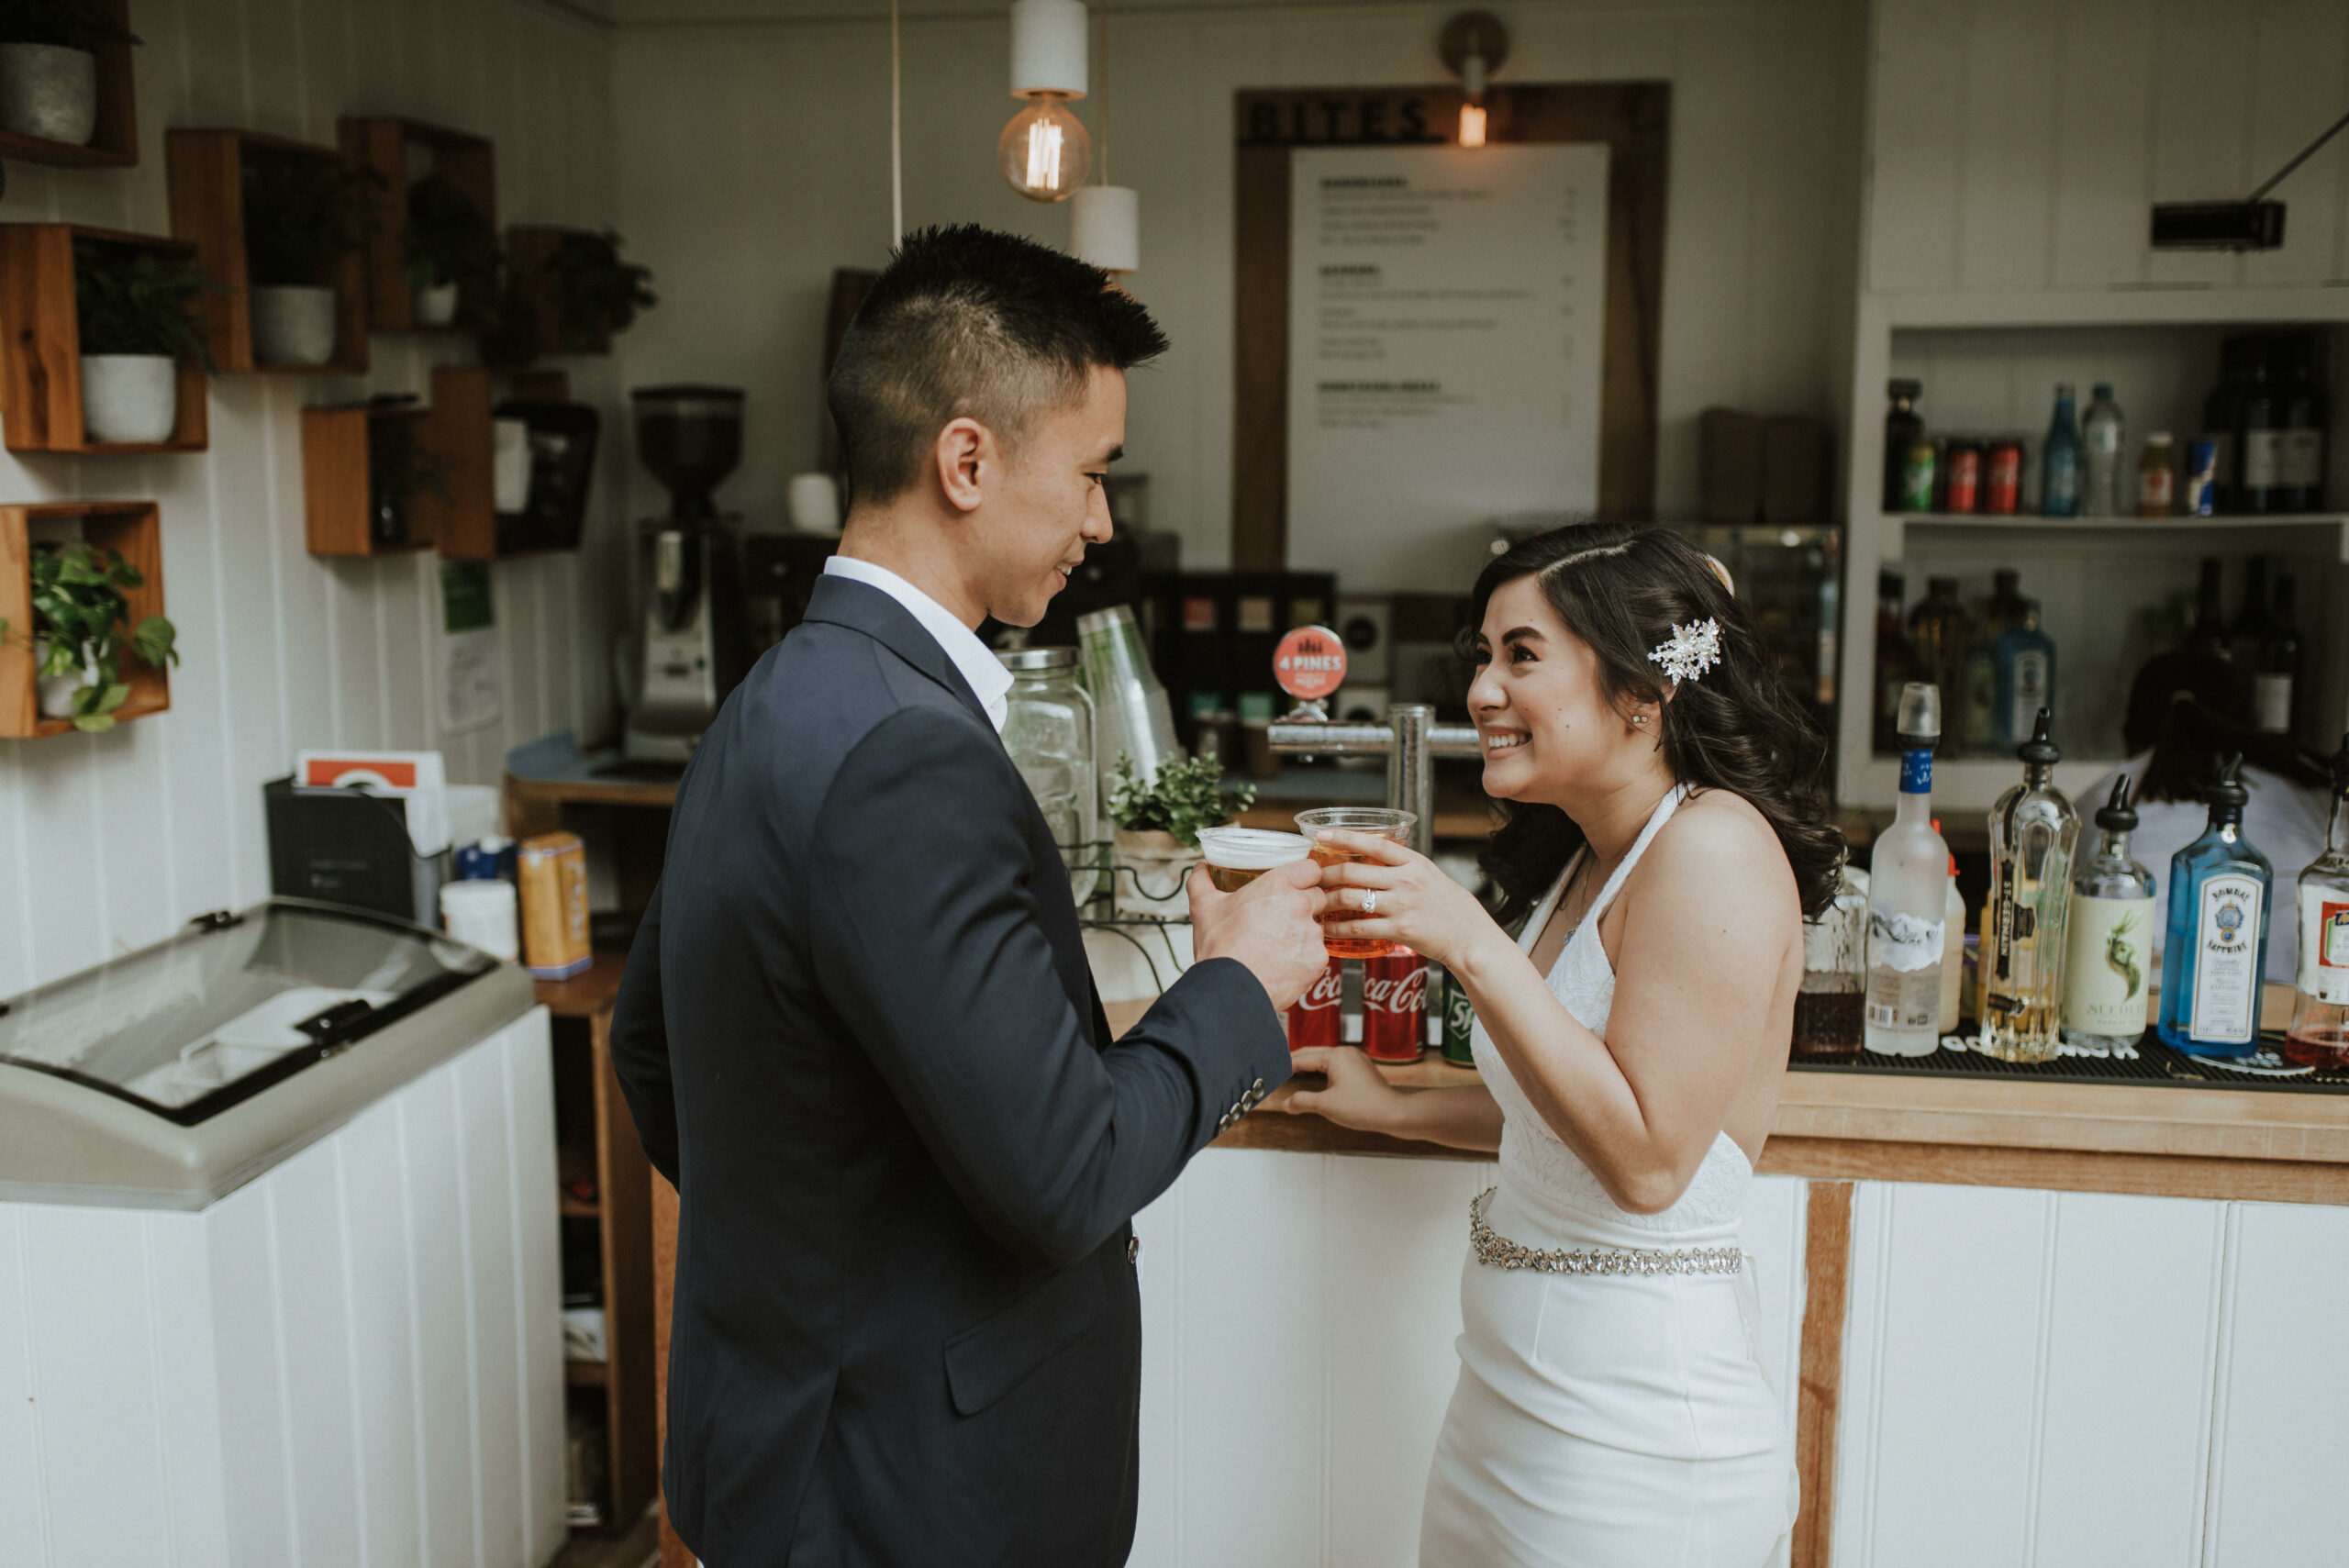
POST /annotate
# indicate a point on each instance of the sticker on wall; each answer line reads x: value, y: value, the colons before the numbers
x: 472, y: 692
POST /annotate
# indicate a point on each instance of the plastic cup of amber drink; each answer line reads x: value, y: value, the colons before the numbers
x: 1378, y: 822
x: 1238, y: 856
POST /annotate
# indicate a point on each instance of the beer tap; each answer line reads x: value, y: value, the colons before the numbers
x: 1310, y: 664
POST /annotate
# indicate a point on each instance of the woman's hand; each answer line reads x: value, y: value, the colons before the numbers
x: 1400, y: 894
x: 1358, y: 1094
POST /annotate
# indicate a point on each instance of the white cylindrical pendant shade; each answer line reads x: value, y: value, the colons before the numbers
x: 1104, y: 227
x: 1048, y: 46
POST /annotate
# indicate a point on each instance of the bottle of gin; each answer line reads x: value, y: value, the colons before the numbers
x: 2109, y: 953
x: 2032, y: 831
x: 2318, y: 1034
x: 2025, y: 657
x: 2217, y: 931
x: 1908, y: 890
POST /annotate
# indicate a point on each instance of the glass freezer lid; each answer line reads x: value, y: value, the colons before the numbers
x: 232, y: 1005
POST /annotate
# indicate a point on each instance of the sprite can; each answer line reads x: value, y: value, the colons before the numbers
x: 1459, y: 1019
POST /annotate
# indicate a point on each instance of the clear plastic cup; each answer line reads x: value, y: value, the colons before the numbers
x: 1379, y: 822
x: 1238, y: 856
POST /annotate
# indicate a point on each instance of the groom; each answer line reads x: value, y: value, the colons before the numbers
x: 857, y: 1028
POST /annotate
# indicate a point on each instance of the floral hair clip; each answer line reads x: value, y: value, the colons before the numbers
x: 1694, y: 648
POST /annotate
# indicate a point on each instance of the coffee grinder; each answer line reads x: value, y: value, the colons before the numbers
x: 691, y: 648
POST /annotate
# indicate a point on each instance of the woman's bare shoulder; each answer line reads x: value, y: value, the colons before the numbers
x: 1720, y: 848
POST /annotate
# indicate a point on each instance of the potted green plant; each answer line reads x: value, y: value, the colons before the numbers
x: 81, y: 631
x: 137, y: 312
x: 399, y: 467
x: 595, y: 291
x: 303, y: 213
x: 450, y: 253
x: 1158, y: 828
x: 49, y: 68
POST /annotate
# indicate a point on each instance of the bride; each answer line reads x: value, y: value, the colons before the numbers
x: 1666, y: 837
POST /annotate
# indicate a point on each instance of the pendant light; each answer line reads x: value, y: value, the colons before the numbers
x: 1473, y: 45
x: 1044, y: 152
x: 1105, y: 220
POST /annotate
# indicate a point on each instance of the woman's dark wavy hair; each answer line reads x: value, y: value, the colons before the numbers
x: 1621, y: 588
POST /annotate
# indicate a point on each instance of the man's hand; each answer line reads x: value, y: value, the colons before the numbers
x: 1268, y: 926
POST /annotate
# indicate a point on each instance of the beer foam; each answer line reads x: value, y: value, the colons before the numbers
x: 1253, y: 849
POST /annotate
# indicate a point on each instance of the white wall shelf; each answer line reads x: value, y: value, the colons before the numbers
x: 2295, y: 533
x: 2138, y: 306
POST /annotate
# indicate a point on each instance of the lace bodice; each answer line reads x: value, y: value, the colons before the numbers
x: 1534, y: 1157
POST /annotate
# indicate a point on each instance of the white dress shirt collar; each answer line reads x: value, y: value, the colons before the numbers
x: 985, y: 673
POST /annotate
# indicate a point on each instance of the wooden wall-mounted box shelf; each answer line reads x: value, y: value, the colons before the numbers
x: 458, y: 434
x: 134, y: 529
x: 113, y: 141
x: 338, y: 494
x: 208, y: 207
x: 40, y: 349
x: 533, y: 250
x: 380, y: 144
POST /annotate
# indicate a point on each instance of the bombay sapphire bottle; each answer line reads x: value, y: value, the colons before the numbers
x: 2217, y: 935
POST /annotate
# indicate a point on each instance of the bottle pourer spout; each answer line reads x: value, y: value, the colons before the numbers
x: 2119, y: 813
x: 2340, y: 763
x: 2040, y: 751
x: 2228, y: 789
x: 1920, y: 719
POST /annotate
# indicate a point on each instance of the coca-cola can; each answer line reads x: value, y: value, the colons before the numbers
x: 1314, y: 1019
x: 1394, y: 1003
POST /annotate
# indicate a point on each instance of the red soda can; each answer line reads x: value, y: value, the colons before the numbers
x: 1394, y: 1004
x: 2001, y: 486
x: 1314, y: 1019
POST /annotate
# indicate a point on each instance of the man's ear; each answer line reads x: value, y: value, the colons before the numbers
x: 966, y: 458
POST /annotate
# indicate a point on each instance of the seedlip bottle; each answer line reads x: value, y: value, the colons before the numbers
x: 1908, y: 896
x: 2109, y: 959
x: 2319, y: 1035
x: 2216, y: 934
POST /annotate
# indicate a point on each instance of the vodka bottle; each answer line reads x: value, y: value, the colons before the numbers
x: 2032, y: 830
x: 1908, y: 892
x: 2319, y: 1028
x: 2219, y: 888
x: 2108, y: 952
x: 2100, y: 435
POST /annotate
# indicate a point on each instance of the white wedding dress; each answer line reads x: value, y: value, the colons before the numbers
x: 1605, y: 1420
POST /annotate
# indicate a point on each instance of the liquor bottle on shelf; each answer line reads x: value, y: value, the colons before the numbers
x: 2101, y: 433
x: 1978, y: 722
x: 2219, y: 419
x: 2059, y: 461
x: 2319, y: 1033
x: 2156, y: 477
x: 1907, y: 894
x: 2026, y: 660
x: 1902, y: 431
x: 2216, y: 934
x: 2259, y: 434
x: 2275, y: 677
x: 2199, y: 665
x: 1940, y: 627
x: 1895, y: 661
x: 2250, y: 626
x: 2108, y: 948
x: 2302, y: 459
x: 2032, y: 831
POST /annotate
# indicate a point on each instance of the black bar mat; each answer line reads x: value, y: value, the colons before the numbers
x: 2155, y: 1063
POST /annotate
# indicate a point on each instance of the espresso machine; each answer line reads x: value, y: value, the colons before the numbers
x: 690, y: 648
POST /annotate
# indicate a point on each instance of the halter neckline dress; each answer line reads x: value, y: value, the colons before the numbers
x: 1605, y: 1421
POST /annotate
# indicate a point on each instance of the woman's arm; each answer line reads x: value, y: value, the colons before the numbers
x: 1358, y: 1095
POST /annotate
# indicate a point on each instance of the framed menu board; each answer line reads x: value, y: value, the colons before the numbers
x: 1481, y: 325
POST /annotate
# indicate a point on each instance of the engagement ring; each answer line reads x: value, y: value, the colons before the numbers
x: 1370, y: 902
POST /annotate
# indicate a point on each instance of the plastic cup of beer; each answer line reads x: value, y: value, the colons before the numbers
x: 1378, y: 822
x: 1238, y: 856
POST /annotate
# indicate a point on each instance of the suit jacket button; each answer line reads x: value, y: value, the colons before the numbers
x: 1257, y: 1088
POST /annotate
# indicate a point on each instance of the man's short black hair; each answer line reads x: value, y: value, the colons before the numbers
x: 965, y: 321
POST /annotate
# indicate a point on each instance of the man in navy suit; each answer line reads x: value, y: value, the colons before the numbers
x: 857, y: 1027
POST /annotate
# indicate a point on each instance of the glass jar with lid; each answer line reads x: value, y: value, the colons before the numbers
x: 1828, y: 1007
x: 1049, y: 732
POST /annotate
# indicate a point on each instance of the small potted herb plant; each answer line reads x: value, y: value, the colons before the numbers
x: 595, y: 291
x: 81, y: 631
x: 302, y: 214
x: 450, y: 253
x: 138, y: 321
x: 49, y: 68
x: 1158, y: 828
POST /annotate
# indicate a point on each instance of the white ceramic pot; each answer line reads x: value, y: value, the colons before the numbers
x: 435, y: 306
x: 55, y: 694
x: 293, y: 325
x: 130, y: 398
x: 49, y: 91
x: 1152, y: 867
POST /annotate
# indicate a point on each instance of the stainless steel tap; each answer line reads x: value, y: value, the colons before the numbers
x: 1411, y: 741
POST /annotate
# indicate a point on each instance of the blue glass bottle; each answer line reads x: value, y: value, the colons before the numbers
x: 2059, y: 465
x: 2219, y: 888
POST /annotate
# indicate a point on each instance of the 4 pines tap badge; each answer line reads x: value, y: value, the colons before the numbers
x: 1311, y: 663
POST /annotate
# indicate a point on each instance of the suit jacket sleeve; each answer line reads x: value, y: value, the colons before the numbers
x: 641, y: 1046
x: 927, y: 937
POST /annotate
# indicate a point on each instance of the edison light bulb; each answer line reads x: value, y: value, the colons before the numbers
x: 1472, y: 124
x: 1045, y: 152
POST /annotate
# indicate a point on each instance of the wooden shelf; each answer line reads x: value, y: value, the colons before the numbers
x: 113, y: 140
x: 588, y: 992
x: 571, y: 1207
x: 206, y: 170
x: 40, y: 361
x: 380, y: 144
x: 132, y: 528
x: 2305, y: 531
x: 534, y: 249
x: 337, y: 493
x: 459, y: 432
x: 585, y: 1374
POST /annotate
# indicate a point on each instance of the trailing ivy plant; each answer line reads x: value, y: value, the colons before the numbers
x: 1182, y: 798
x: 135, y: 301
x: 301, y: 213
x: 449, y: 241
x: 594, y: 289
x: 67, y: 24
x: 78, y: 606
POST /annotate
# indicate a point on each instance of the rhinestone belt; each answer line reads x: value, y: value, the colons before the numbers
x: 1499, y: 1251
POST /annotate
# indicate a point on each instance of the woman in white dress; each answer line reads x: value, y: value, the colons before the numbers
x: 1665, y: 835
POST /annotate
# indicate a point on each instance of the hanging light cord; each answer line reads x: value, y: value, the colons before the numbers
x: 1105, y: 92
x: 896, y: 139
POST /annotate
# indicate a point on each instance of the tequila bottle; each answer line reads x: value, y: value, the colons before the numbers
x: 1908, y: 890
x: 2032, y: 831
x: 2217, y: 931
x: 2109, y: 953
x: 2318, y: 1034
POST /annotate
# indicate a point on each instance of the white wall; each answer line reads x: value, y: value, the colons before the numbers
x: 754, y: 160
x: 107, y: 842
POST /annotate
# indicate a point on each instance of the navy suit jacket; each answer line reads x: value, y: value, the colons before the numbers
x: 857, y: 1032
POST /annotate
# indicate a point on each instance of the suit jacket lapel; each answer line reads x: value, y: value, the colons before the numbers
x: 859, y: 606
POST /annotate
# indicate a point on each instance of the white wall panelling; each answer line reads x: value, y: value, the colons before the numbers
x: 108, y: 842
